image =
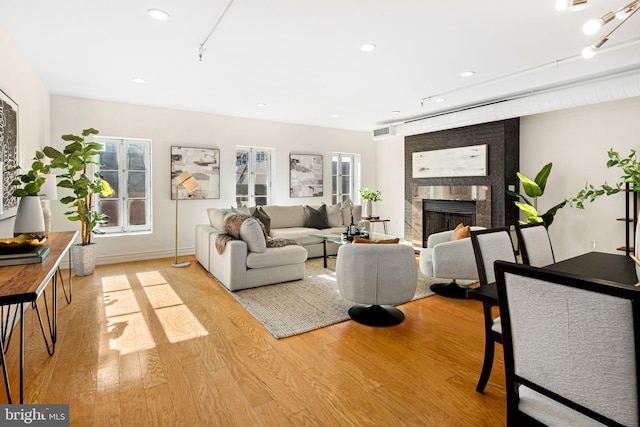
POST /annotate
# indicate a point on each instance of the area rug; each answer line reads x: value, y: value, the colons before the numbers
x: 292, y: 308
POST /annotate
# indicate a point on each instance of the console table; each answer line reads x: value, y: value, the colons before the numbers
x: 24, y: 284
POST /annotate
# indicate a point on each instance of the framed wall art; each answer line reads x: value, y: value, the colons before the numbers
x: 203, y: 164
x: 8, y: 153
x: 305, y: 175
x: 451, y: 162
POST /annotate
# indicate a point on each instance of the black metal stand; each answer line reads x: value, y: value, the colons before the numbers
x: 450, y: 290
x: 376, y: 315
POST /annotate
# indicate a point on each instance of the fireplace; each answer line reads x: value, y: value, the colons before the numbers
x: 442, y: 215
x: 438, y: 208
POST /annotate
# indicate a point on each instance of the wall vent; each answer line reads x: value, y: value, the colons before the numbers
x: 383, y: 133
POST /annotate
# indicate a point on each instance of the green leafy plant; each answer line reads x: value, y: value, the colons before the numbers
x: 30, y: 183
x: 75, y: 159
x: 535, y: 188
x: 373, y: 195
x: 630, y: 174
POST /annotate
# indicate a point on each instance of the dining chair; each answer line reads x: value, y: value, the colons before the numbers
x: 489, y: 246
x: 535, y: 244
x: 570, y: 348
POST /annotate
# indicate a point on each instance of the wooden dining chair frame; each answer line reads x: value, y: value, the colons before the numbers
x: 490, y: 336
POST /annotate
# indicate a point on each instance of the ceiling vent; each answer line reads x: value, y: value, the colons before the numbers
x: 383, y: 133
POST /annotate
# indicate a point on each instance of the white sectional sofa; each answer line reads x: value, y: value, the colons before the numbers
x: 239, y: 268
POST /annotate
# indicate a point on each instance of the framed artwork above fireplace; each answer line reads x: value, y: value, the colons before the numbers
x: 451, y: 162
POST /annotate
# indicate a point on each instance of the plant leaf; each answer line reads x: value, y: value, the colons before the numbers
x: 531, y: 189
x: 543, y: 175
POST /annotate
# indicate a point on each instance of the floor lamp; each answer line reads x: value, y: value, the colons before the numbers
x: 190, y: 184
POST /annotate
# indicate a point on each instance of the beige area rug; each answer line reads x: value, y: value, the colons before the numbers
x: 292, y: 308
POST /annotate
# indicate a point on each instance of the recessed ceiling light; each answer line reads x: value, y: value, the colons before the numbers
x: 335, y: 116
x: 395, y: 112
x: 468, y: 73
x: 139, y: 81
x: 158, y: 14
x: 261, y: 105
x: 439, y: 100
x: 367, y: 47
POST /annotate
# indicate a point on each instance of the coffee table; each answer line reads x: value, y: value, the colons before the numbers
x: 338, y: 239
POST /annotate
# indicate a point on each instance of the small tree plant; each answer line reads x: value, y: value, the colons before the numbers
x: 75, y: 159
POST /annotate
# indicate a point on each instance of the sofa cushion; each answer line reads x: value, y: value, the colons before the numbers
x: 277, y: 256
x: 241, y: 210
x: 346, y: 215
x: 253, y: 235
x: 316, y: 218
x: 265, y: 219
x: 285, y: 216
x: 334, y: 215
x: 216, y: 217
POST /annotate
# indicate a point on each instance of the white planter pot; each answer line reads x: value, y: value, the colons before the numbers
x: 29, y: 218
x: 83, y: 259
x: 368, y: 207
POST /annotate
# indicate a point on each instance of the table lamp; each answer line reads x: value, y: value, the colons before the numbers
x: 190, y: 184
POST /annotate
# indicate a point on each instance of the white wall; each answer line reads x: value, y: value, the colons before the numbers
x: 167, y: 127
x: 576, y: 141
x: 19, y: 81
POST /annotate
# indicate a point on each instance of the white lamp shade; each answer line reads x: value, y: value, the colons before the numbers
x: 29, y: 218
x: 49, y: 191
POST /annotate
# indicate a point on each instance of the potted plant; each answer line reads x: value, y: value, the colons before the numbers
x: 535, y: 188
x: 75, y: 160
x: 370, y: 196
x: 30, y: 217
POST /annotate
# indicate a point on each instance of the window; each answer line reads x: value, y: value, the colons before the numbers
x: 126, y: 165
x: 342, y: 177
x: 253, y: 176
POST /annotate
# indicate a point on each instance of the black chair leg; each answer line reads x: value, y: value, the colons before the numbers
x: 450, y: 290
x: 489, y: 349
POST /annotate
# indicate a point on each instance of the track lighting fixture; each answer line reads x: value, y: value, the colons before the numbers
x: 593, y: 26
x: 202, y: 49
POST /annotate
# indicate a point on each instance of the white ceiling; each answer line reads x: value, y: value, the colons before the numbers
x: 302, y: 58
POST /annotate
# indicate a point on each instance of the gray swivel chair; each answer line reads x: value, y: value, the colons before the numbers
x: 444, y: 258
x: 376, y: 277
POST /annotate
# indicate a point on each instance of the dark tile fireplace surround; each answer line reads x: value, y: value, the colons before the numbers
x: 438, y: 204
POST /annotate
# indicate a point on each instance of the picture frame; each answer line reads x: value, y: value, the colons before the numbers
x: 451, y: 162
x: 9, y: 145
x: 305, y: 175
x: 204, y: 164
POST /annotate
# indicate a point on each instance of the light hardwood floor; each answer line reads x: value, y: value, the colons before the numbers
x: 143, y: 343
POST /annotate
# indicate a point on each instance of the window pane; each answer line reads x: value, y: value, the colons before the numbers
x: 110, y: 208
x: 109, y: 158
x: 137, y: 212
x: 136, y: 183
x: 136, y: 156
x: 112, y: 178
x: 346, y: 166
x: 346, y: 185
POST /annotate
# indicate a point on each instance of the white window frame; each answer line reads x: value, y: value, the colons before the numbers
x: 336, y: 185
x: 252, y: 166
x: 123, y: 211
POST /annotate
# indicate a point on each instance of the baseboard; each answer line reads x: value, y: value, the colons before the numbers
x: 136, y: 256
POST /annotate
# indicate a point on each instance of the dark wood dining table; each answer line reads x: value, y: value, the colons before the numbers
x: 620, y: 269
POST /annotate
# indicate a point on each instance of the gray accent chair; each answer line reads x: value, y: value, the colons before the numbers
x: 444, y: 258
x: 570, y: 348
x: 376, y: 277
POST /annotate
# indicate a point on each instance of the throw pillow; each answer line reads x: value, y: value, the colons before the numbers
x: 334, y: 215
x: 265, y: 219
x: 461, y: 232
x: 251, y: 233
x: 216, y: 217
x: 241, y: 210
x: 316, y: 218
x: 357, y: 239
